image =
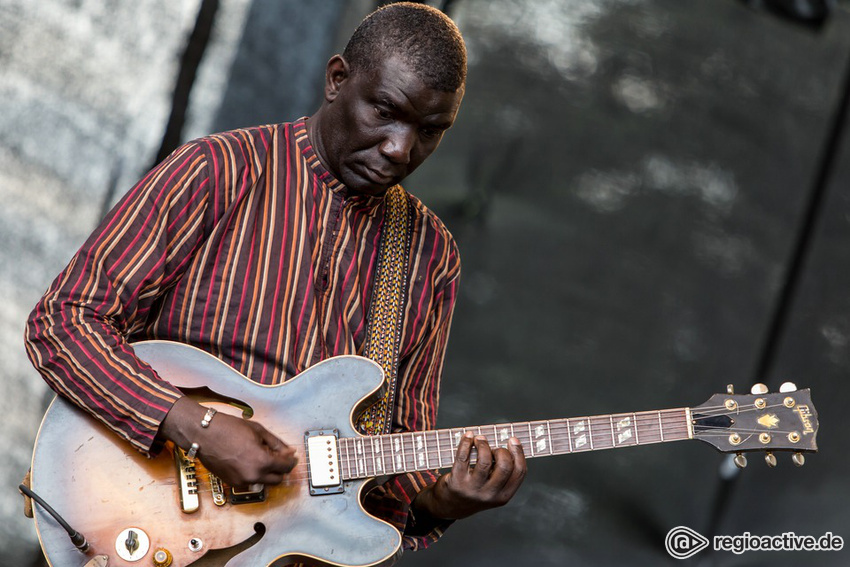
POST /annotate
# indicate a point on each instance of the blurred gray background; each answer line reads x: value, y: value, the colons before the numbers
x: 651, y: 198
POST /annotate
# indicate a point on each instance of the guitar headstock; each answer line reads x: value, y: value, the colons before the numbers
x: 760, y: 421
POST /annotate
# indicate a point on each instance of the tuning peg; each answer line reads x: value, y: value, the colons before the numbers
x: 788, y: 387
x: 730, y: 389
x: 798, y: 459
x: 758, y: 389
x: 770, y: 459
x: 740, y: 460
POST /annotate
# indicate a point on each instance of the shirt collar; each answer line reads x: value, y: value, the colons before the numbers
x: 299, y: 128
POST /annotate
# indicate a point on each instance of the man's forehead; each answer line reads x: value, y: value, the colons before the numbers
x: 400, y: 82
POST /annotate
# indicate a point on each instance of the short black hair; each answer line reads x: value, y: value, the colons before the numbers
x: 425, y: 37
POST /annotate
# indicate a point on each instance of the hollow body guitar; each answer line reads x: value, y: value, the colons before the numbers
x: 138, y: 511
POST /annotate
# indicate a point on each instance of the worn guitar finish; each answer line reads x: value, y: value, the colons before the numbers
x: 101, y: 487
x: 107, y: 492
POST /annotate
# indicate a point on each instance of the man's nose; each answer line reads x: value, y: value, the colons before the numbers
x: 398, y: 145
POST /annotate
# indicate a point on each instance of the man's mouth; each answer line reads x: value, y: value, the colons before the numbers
x: 377, y: 177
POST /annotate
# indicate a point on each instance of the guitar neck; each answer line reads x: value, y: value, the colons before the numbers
x: 365, y: 457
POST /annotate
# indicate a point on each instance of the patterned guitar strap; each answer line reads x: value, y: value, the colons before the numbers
x: 386, y: 310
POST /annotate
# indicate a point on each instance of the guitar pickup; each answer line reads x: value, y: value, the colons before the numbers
x: 323, y: 462
x: 248, y: 494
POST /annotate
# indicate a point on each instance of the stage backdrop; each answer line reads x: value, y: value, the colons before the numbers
x: 651, y: 198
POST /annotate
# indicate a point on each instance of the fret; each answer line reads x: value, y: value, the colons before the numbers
x: 569, y: 437
x: 649, y: 428
x: 396, y: 456
x: 598, y: 439
x: 637, y: 427
x: 427, y: 451
x: 549, y: 434
x: 375, y: 454
x: 626, y: 429
x: 530, y: 439
x: 671, y: 432
x: 407, y: 458
x: 451, y: 447
x: 454, y: 439
x: 439, y: 451
x: 611, y: 421
x: 387, y: 450
x: 348, y: 458
x: 404, y: 452
x: 409, y: 453
x: 369, y: 456
x: 505, y: 432
x: 580, y: 435
x: 343, y: 443
x: 541, y: 441
x: 560, y: 444
x: 420, y: 456
x: 496, y: 438
x: 358, y: 451
x: 519, y: 436
x: 660, y: 427
x: 435, y: 443
x: 590, y: 432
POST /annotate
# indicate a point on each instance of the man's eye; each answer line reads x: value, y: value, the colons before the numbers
x: 383, y: 113
x: 430, y: 133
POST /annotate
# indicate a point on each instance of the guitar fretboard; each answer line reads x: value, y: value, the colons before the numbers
x: 365, y: 457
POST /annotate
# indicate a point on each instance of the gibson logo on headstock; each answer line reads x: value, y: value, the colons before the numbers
x: 805, y: 415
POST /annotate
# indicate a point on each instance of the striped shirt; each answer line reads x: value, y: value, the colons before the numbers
x: 244, y: 245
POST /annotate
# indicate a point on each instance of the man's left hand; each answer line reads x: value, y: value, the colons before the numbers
x: 466, y: 489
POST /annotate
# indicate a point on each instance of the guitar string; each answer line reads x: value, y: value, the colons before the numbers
x: 650, y: 414
x: 447, y: 455
x: 639, y: 419
x: 704, y: 411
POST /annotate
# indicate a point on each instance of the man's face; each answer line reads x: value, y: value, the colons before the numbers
x: 382, y: 124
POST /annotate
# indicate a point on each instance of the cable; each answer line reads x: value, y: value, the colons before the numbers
x: 78, y: 539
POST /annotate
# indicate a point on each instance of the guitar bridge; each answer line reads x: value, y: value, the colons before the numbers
x: 187, y: 481
x: 323, y: 462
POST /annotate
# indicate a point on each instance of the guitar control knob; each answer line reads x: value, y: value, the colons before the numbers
x: 162, y: 558
x: 758, y: 389
x: 740, y: 460
x: 770, y: 459
x: 798, y: 459
x: 788, y: 387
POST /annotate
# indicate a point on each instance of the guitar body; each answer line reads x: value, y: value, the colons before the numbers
x: 102, y: 487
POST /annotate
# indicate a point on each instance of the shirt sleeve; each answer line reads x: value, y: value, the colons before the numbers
x: 417, y: 401
x: 76, y: 336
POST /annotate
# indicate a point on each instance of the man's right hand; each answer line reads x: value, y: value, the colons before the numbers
x: 239, y: 451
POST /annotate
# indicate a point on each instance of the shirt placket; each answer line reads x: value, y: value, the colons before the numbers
x: 329, y: 252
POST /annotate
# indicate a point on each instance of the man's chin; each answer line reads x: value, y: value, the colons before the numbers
x: 361, y: 185
x: 369, y: 190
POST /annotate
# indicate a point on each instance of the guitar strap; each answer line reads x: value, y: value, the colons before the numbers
x: 386, y: 310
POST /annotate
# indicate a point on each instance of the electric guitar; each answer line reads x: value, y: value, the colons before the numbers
x: 170, y: 511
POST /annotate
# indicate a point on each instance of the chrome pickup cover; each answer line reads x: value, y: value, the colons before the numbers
x: 323, y: 462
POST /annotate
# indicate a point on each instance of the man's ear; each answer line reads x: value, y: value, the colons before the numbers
x: 336, y: 74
